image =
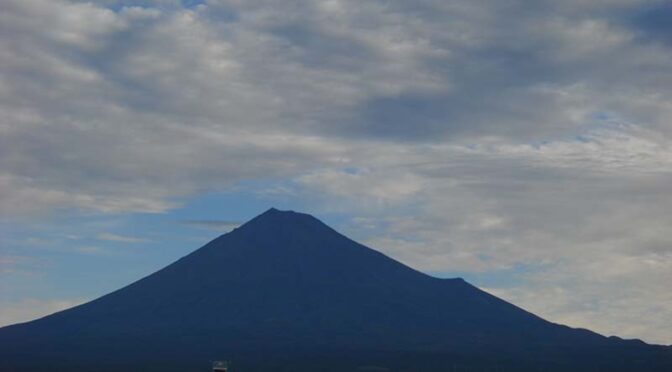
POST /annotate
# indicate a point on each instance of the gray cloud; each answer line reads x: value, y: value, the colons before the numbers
x: 652, y: 22
x: 216, y: 225
x: 484, y: 136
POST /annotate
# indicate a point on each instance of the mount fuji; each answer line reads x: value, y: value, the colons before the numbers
x: 285, y: 292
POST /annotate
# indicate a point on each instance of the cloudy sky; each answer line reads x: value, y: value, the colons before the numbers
x: 523, y: 145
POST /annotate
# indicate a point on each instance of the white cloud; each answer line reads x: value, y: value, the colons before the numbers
x: 130, y: 110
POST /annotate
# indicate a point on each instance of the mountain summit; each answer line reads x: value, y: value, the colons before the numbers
x: 285, y: 292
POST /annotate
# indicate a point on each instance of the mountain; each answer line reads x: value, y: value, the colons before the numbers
x: 285, y: 292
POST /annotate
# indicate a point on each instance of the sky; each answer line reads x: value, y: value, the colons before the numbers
x: 523, y: 145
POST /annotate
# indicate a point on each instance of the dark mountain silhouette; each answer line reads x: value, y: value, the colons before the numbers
x: 285, y: 292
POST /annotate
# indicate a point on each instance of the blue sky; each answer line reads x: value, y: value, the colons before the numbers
x: 527, y: 148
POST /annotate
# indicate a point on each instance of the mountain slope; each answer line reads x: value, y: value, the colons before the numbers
x: 284, y: 291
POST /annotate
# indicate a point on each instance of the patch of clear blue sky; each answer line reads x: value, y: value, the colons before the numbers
x: 192, y: 3
x: 118, y: 5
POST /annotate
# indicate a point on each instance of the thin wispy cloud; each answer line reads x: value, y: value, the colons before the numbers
x: 215, y: 225
x: 121, y: 238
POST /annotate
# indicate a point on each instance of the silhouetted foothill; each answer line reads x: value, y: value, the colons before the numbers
x: 285, y: 292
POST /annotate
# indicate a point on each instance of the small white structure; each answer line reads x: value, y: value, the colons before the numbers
x: 220, y: 366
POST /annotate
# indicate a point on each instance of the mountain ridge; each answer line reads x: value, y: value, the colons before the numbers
x: 284, y: 286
